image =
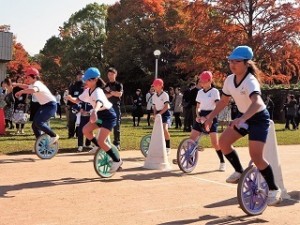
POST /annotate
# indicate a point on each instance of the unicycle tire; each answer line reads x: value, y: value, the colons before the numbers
x: 252, y: 200
x: 42, y: 148
x: 185, y: 160
x: 102, y: 162
x: 144, y: 144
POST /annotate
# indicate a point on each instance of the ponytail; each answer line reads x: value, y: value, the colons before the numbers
x: 252, y: 68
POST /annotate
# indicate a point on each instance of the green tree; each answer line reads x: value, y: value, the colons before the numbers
x: 78, y: 46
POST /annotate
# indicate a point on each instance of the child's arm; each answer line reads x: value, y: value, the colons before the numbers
x: 72, y: 99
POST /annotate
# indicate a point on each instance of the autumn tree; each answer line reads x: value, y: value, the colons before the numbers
x: 267, y: 26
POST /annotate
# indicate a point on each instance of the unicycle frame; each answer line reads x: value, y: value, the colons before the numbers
x: 187, y: 160
x: 252, y: 191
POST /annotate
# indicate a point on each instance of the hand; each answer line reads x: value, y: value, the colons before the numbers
x: 14, y: 84
x: 93, y: 117
x: 237, y: 122
x: 18, y: 94
x: 68, y: 97
x: 207, y: 124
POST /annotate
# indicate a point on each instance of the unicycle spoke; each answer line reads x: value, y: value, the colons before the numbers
x: 187, y: 155
x: 43, y: 149
x: 252, y: 192
x: 102, y: 162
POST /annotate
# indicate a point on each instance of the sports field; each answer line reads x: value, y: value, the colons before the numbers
x: 66, y: 190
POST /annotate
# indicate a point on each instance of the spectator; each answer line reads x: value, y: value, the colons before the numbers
x: 114, y: 91
x: 66, y: 93
x: 75, y: 90
x: 178, y: 108
x: 149, y: 106
x: 83, y: 110
x: 187, y: 108
x: 194, y: 93
x: 270, y: 106
x: 20, y: 106
x: 2, y: 104
x: 58, y: 99
x: 172, y: 98
x: 290, y: 108
x: 10, y: 102
x: 137, y: 109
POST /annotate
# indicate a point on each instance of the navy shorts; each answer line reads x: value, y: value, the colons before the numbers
x: 107, y: 119
x: 166, y: 117
x: 258, y: 126
x: 199, y: 127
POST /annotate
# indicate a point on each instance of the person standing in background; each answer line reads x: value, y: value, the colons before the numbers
x: 187, y: 108
x: 137, y: 109
x: 74, y: 90
x: 270, y: 106
x: 177, y: 108
x: 114, y: 91
x: 58, y: 99
x: 10, y: 102
x: 20, y: 105
x: 149, y: 104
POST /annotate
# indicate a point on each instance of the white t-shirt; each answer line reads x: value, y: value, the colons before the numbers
x: 94, y: 97
x: 242, y: 92
x: 159, y: 100
x: 58, y: 98
x: 149, y: 101
x: 42, y: 94
x: 207, y: 99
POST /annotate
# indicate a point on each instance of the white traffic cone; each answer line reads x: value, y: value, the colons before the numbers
x: 157, y: 158
x: 271, y: 154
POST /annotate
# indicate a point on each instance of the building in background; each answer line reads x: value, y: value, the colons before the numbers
x: 6, y: 49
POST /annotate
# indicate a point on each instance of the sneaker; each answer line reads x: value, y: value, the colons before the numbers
x: 53, y: 140
x: 22, y: 131
x: 168, y: 151
x: 274, y: 197
x: 93, y: 150
x: 80, y: 148
x: 115, y: 166
x: 234, y: 178
x: 222, y: 167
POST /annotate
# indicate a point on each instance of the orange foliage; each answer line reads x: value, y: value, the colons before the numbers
x: 20, y: 61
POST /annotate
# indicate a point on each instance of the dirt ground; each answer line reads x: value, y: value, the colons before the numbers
x: 66, y: 190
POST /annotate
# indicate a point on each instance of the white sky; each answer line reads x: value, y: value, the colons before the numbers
x: 33, y: 22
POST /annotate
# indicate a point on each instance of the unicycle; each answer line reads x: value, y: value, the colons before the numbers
x: 187, y: 155
x: 252, y: 191
x: 144, y: 144
x: 102, y: 162
x: 43, y: 149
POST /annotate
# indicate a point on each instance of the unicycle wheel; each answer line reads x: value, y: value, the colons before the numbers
x: 43, y: 149
x: 187, y: 155
x: 252, y: 191
x: 102, y: 162
x: 145, y: 143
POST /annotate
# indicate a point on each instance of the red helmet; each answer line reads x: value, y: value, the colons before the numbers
x: 31, y: 71
x: 158, y: 82
x: 205, y: 76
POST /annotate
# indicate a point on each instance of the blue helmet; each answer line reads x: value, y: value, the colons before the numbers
x: 241, y: 52
x: 91, y: 73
